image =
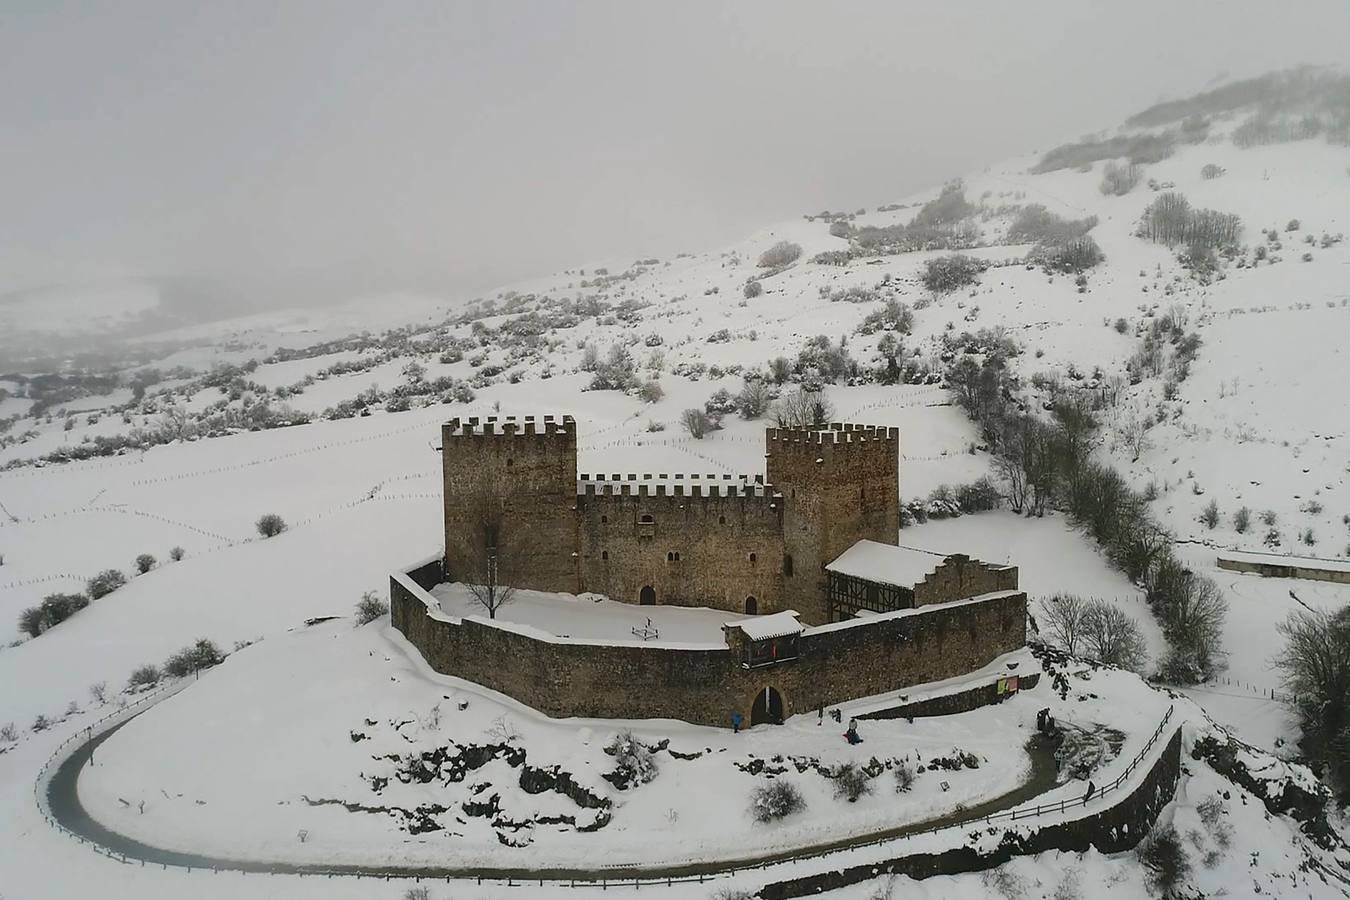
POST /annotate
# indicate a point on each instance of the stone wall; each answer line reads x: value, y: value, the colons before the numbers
x: 1289, y: 568
x: 960, y: 576
x: 954, y: 703
x: 707, y: 545
x: 840, y: 484
x: 517, y: 478
x: 706, y: 684
x: 1116, y: 829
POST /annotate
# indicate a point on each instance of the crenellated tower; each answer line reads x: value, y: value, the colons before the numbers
x: 511, y: 485
x: 840, y: 484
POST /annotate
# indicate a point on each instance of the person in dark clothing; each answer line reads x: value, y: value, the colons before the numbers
x: 852, y: 734
x: 736, y: 722
x: 1092, y: 789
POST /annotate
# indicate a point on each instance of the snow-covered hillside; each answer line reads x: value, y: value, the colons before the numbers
x: 330, y: 419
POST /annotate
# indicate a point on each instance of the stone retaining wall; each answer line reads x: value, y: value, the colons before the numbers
x: 706, y: 684
x: 1113, y: 830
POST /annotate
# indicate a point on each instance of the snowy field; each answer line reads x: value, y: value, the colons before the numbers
x: 1259, y: 423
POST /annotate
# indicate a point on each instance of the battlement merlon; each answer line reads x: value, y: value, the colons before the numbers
x: 824, y: 446
x: 509, y: 427
x: 834, y: 433
x: 717, y: 490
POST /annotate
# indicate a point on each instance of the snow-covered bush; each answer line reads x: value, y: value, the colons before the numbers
x: 201, y: 655
x: 1035, y: 224
x: 143, y: 676
x: 104, y: 583
x: 1242, y: 520
x: 904, y: 776
x: 948, y: 273
x: 177, y: 553
x: 775, y: 800
x: 753, y: 399
x: 752, y: 290
x: 54, y: 609
x: 850, y: 782
x: 9, y: 733
x: 1067, y: 257
x: 144, y: 563
x: 894, y: 316
x: 1118, y: 179
x: 1209, y: 516
x: 369, y: 608
x: 618, y: 372
x: 1165, y: 858
x: 651, y: 391
x: 1210, y: 171
x: 780, y: 254
x: 270, y: 525
x: 635, y: 760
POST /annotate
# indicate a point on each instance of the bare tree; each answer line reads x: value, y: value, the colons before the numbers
x: 803, y: 409
x: 697, y: 422
x: 1112, y: 637
x: 1063, y: 615
x: 1316, y: 666
x: 1192, y: 609
x: 780, y: 254
x: 753, y: 399
x: 1134, y: 434
x: 494, y: 550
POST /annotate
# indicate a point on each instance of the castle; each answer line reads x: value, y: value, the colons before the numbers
x: 748, y: 545
x: 809, y: 549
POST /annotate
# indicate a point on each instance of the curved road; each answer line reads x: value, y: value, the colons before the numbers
x: 64, y: 802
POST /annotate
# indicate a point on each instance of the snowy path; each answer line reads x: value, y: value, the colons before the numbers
x: 66, y: 808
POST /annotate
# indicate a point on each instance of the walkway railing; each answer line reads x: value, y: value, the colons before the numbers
x: 601, y: 878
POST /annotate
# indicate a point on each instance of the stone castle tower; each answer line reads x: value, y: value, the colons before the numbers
x: 840, y: 485
x: 513, y: 486
x: 513, y: 501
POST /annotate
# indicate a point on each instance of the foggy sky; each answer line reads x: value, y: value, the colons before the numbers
x: 316, y: 151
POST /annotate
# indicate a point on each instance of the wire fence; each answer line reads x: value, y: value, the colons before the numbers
x: 600, y: 878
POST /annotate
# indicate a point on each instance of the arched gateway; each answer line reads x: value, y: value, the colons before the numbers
x: 647, y: 596
x: 768, y: 707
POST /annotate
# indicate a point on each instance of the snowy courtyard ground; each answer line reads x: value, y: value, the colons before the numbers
x: 592, y: 617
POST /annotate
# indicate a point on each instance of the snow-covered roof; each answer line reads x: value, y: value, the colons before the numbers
x: 885, y: 563
x: 1278, y: 559
x: 779, y: 624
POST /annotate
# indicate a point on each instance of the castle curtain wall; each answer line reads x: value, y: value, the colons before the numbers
x: 711, y: 544
x: 706, y: 685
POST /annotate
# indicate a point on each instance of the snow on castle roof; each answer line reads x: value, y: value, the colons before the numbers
x: 779, y: 624
x: 885, y: 563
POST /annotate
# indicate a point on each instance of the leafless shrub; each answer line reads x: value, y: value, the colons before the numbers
x: 369, y: 608
x: 850, y: 782
x: 1118, y: 179
x: 780, y: 254
x: 775, y: 800
x: 1165, y: 858
x: 1112, y: 637
x: 803, y: 408
x: 697, y: 422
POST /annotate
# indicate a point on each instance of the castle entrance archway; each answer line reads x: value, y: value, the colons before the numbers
x: 768, y: 707
x: 647, y: 596
x: 751, y: 606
